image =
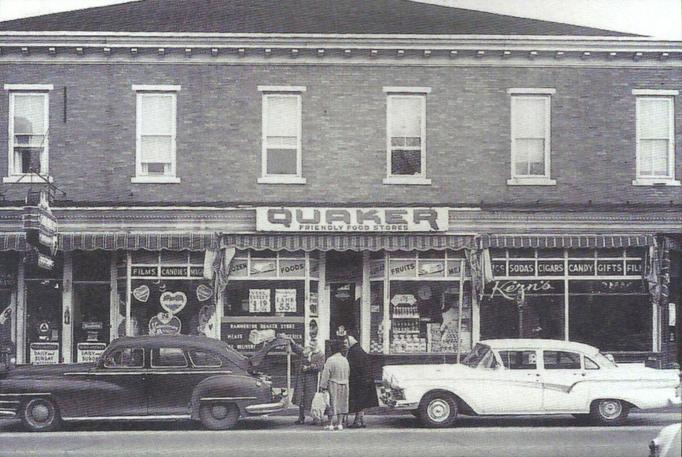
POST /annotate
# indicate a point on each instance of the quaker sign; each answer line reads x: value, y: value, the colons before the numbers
x: 44, y: 353
x: 236, y: 334
x: 90, y: 352
x: 299, y: 219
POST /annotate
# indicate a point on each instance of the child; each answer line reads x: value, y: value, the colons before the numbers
x: 335, y: 380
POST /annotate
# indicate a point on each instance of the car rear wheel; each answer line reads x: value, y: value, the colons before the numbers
x: 40, y: 415
x: 218, y: 416
x: 438, y: 409
x: 609, y: 412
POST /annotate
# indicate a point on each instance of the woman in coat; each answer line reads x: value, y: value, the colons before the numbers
x: 363, y: 392
x: 305, y: 386
x: 334, y: 379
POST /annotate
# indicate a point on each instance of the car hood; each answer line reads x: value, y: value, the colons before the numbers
x: 40, y: 371
x: 397, y: 374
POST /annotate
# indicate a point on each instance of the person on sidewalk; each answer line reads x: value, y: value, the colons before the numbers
x: 362, y: 391
x: 305, y: 385
x: 334, y: 379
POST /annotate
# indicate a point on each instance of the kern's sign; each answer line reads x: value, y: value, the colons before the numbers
x: 299, y: 219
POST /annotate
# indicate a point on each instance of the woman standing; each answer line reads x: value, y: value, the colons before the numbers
x: 363, y: 393
x: 335, y: 380
x: 305, y: 386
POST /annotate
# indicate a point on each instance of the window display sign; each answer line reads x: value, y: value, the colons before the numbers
x: 522, y: 268
x: 165, y: 324
x: 173, y: 271
x: 512, y: 289
x: 236, y: 334
x: 607, y: 287
x: 298, y: 219
x: 259, y: 300
x: 44, y: 353
x: 145, y: 272
x: 90, y: 352
x: 285, y: 300
x: 551, y: 268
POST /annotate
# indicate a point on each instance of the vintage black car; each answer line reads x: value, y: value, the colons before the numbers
x: 138, y: 378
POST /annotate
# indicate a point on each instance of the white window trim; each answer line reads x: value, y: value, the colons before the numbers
x: 266, y: 178
x: 534, y: 180
x: 668, y: 180
x: 421, y: 178
x: 531, y: 91
x: 406, y: 90
x: 281, y: 88
x: 28, y: 89
x: 140, y: 178
x: 156, y: 88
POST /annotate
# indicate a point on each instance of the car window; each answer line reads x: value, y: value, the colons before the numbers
x: 590, y: 364
x: 168, y: 357
x: 204, y: 359
x: 125, y: 358
x: 561, y: 360
x: 519, y: 360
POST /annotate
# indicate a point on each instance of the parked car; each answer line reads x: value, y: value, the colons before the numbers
x: 527, y: 377
x: 668, y: 443
x: 138, y: 378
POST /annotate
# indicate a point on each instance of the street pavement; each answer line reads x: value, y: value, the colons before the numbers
x: 387, y: 435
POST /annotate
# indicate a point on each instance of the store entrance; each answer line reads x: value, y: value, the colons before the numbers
x: 344, y: 308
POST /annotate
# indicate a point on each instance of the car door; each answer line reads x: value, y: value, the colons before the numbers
x: 514, y: 387
x: 116, y: 386
x: 563, y: 382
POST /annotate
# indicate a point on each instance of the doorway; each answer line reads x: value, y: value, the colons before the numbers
x: 344, y: 308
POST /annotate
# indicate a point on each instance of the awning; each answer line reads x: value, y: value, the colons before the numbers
x: 348, y: 242
x: 12, y: 241
x: 566, y: 241
x: 133, y: 241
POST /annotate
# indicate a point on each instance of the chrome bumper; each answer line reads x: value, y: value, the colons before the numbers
x: 394, y: 398
x: 267, y: 408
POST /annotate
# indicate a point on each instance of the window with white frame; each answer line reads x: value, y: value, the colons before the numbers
x: 655, y: 137
x: 406, y: 135
x: 28, y: 130
x: 156, y: 133
x: 281, y: 141
x: 530, y: 136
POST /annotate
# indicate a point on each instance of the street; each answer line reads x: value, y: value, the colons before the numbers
x: 385, y: 436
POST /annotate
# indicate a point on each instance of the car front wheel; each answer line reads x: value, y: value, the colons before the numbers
x: 218, y: 416
x: 438, y: 410
x: 609, y: 412
x: 40, y: 415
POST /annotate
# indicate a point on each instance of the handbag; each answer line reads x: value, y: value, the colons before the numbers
x: 319, y: 405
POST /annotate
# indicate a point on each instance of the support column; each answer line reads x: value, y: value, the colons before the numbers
x: 323, y: 301
x: 113, y: 298
x: 20, y: 318
x: 387, y: 304
x: 129, y: 322
x: 67, y: 309
x: 365, y: 319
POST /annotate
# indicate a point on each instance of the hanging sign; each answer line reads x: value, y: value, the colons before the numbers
x: 285, y: 300
x: 89, y: 352
x: 299, y: 219
x: 259, y: 300
x: 40, y: 226
x: 44, y: 353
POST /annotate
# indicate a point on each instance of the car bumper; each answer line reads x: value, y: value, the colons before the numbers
x: 267, y: 408
x: 395, y: 399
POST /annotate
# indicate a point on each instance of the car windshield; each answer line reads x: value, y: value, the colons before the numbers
x: 476, y: 355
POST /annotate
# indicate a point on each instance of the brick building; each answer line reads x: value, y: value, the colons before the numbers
x: 424, y: 176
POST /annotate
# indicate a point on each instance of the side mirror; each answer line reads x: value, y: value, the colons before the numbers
x: 610, y: 358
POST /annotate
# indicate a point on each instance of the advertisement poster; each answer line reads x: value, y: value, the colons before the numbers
x: 44, y: 353
x: 90, y: 352
x: 259, y: 300
x: 285, y: 300
x: 237, y: 334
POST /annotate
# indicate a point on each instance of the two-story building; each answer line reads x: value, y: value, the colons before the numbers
x: 424, y: 176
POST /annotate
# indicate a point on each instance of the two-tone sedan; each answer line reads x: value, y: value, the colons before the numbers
x: 529, y: 377
x: 142, y: 378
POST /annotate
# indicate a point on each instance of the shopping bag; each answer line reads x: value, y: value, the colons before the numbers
x: 320, y: 405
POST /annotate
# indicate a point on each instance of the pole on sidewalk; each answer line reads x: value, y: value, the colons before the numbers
x: 459, y: 314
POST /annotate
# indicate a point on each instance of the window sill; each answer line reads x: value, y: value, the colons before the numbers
x: 531, y: 182
x: 27, y: 179
x: 655, y: 182
x: 407, y: 180
x: 281, y: 180
x: 155, y: 180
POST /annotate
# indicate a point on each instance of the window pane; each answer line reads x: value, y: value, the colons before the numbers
x: 406, y: 116
x: 282, y: 116
x: 560, y: 360
x: 519, y: 360
x: 590, y: 364
x: 157, y: 114
x: 204, y: 359
x: 168, y: 357
x: 653, y: 155
x: 530, y: 157
x: 26, y: 159
x: 281, y: 161
x: 406, y: 162
x: 125, y: 358
x: 529, y: 117
x: 654, y: 118
x: 29, y: 114
x: 156, y: 149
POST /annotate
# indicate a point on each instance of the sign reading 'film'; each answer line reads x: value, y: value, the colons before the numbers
x: 351, y: 219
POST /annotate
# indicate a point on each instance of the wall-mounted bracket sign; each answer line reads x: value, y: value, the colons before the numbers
x: 40, y: 226
x: 299, y: 219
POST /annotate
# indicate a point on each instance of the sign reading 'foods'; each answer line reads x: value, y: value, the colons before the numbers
x: 351, y: 219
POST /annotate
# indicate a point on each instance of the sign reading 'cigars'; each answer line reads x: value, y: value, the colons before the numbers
x: 297, y: 219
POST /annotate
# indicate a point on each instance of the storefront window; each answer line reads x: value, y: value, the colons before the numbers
x: 44, y: 313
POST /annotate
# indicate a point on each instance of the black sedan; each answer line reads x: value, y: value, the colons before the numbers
x: 138, y: 378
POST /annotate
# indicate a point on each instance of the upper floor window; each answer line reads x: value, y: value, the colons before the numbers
x: 156, y: 134
x: 655, y: 137
x: 28, y: 130
x: 281, y: 153
x: 530, y: 136
x: 406, y: 135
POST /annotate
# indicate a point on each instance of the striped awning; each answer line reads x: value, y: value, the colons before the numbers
x: 347, y: 242
x: 566, y: 241
x: 12, y: 241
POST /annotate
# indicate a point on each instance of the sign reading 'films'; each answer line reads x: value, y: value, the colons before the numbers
x: 299, y: 219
